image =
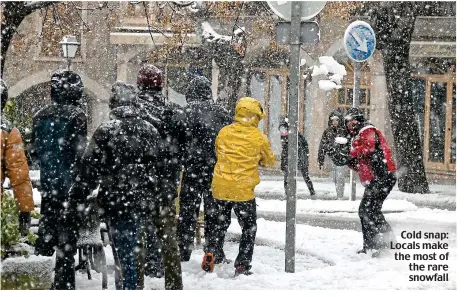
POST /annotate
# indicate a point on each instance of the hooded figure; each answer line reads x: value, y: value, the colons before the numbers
x: 204, y: 120
x: 240, y: 148
x: 168, y: 118
x: 303, y: 153
x: 14, y: 165
x: 372, y: 159
x: 121, y: 158
x: 59, y: 138
x: 337, y: 152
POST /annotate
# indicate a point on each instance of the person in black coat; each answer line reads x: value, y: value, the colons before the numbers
x: 122, y: 159
x: 335, y: 151
x: 204, y: 120
x: 59, y: 137
x: 303, y: 153
x: 163, y: 256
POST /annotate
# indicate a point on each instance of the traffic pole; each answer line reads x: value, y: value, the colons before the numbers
x: 292, y: 136
x: 356, y: 95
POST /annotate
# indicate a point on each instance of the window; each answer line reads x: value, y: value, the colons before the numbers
x: 344, y: 99
x: 435, y: 97
x: 269, y: 86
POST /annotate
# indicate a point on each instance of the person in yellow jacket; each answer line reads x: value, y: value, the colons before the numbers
x: 14, y: 165
x: 240, y: 148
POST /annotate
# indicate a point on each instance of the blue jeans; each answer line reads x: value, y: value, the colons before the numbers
x: 125, y: 232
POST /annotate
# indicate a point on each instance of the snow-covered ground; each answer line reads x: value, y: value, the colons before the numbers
x: 441, y: 195
x: 308, y: 206
x: 325, y: 259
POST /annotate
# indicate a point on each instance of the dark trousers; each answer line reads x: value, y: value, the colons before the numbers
x: 246, y: 215
x: 58, y: 234
x: 192, y: 190
x: 162, y: 251
x: 124, y: 234
x: 376, y: 230
x: 307, y: 179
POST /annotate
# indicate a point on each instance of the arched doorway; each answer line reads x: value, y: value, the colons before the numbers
x: 37, y: 96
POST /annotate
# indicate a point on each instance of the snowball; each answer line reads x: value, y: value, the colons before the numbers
x: 341, y: 140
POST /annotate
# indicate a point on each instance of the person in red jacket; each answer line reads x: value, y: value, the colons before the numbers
x: 372, y: 159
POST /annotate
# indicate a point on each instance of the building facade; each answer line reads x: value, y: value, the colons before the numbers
x: 116, y: 41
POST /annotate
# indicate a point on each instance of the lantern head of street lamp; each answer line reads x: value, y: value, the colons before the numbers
x: 69, y: 46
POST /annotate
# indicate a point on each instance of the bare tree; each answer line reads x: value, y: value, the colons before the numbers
x: 13, y: 13
x: 393, y: 23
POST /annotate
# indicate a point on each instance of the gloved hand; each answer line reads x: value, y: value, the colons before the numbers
x: 24, y: 222
x: 352, y: 162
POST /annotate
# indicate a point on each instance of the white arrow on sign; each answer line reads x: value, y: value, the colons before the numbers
x: 362, y: 43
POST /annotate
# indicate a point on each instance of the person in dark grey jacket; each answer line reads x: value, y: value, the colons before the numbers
x: 328, y: 146
x: 163, y: 256
x: 122, y: 159
x: 59, y: 137
x: 204, y: 120
x: 303, y: 153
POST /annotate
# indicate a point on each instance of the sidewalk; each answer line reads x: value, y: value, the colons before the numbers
x: 442, y: 196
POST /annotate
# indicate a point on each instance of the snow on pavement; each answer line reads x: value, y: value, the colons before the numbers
x: 325, y: 259
x: 273, y: 188
x: 306, y: 206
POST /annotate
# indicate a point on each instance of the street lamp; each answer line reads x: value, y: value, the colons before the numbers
x: 69, y: 46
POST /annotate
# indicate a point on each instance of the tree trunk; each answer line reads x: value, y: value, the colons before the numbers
x: 230, y: 75
x: 393, y: 23
x: 13, y: 15
x: 412, y: 178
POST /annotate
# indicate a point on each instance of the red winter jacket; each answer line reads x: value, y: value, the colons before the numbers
x: 366, y: 149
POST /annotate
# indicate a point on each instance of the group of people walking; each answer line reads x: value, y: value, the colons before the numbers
x: 136, y: 159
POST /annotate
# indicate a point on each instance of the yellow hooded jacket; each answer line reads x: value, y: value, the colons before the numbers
x: 240, y: 147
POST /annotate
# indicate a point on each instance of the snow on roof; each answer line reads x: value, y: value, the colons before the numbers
x: 212, y: 36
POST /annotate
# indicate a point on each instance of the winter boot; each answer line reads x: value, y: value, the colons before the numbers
x: 381, y: 253
x: 226, y: 261
x: 221, y: 260
x: 208, y: 262
x: 242, y: 270
x: 363, y: 251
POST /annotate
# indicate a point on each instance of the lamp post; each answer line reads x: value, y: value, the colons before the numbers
x: 69, y: 46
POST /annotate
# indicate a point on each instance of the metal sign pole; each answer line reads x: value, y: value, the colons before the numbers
x: 356, y: 95
x: 292, y: 136
x: 359, y: 43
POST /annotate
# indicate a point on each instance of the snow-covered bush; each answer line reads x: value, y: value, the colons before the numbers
x: 19, y: 269
x: 21, y: 120
x: 12, y: 243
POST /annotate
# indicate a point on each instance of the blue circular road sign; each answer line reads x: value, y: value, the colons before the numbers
x: 359, y: 41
